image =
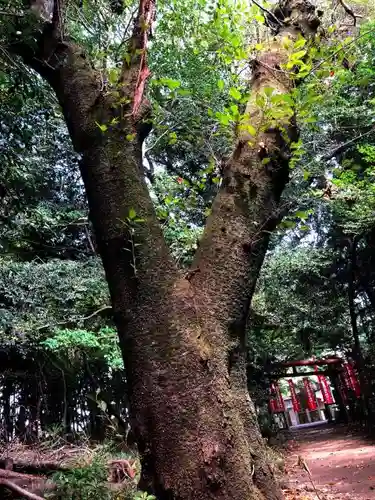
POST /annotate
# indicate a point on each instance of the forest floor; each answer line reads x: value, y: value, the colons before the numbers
x: 340, y: 464
x: 323, y: 462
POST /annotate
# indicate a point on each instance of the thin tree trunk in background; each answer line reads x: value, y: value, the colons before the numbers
x: 358, y: 354
x: 21, y: 419
x: 182, y: 336
x: 339, y: 398
x: 7, y: 391
x: 351, y: 297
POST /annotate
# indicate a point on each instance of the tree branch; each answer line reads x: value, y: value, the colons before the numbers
x: 346, y: 145
x: 89, y: 239
x: 332, y: 56
x: 20, y: 491
x: 135, y: 71
x: 10, y: 14
x: 71, y: 320
x: 269, y: 13
x: 349, y: 11
x: 247, y: 207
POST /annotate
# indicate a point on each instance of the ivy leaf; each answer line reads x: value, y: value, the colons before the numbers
x: 268, y: 91
x: 301, y: 42
x: 302, y: 214
x: 290, y: 224
x: 102, y: 405
x: 132, y: 214
x: 252, y: 130
x: 183, y: 92
x: 296, y: 56
x: 170, y: 83
x: 235, y: 93
x: 172, y: 138
x: 103, y: 127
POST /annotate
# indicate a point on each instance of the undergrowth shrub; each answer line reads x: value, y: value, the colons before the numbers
x: 90, y: 482
x: 83, y: 483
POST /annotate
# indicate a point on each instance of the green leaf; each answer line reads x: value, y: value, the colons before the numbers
x: 220, y: 84
x: 172, y: 138
x: 183, y: 92
x: 102, y: 405
x: 252, y: 130
x: 260, y: 101
x: 298, y: 55
x: 170, y: 83
x: 223, y: 118
x: 301, y: 42
x: 132, y: 214
x: 268, y: 91
x: 235, y: 93
x: 103, y: 127
x: 290, y: 224
x: 302, y: 214
x: 282, y: 98
x: 113, y: 75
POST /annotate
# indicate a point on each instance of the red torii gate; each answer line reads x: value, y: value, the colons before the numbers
x: 309, y: 362
x: 341, y: 370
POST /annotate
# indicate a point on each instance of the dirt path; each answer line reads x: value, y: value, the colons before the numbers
x: 342, y: 465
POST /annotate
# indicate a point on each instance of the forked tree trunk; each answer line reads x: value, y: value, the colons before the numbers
x: 182, y: 337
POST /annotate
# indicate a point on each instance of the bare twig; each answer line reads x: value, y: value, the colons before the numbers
x: 344, y: 146
x: 84, y: 20
x: 89, y: 239
x: 302, y: 463
x: 349, y: 11
x: 104, y: 308
x: 85, y: 318
x: 157, y: 140
x: 126, y: 37
x: 20, y: 491
x: 11, y: 14
x: 339, y: 50
x: 271, y: 14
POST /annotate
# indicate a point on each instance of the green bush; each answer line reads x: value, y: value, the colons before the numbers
x: 91, y: 482
x: 84, y: 483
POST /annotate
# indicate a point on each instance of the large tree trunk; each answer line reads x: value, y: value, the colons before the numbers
x: 182, y: 337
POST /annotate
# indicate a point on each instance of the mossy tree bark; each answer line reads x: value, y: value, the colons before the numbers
x: 182, y: 336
